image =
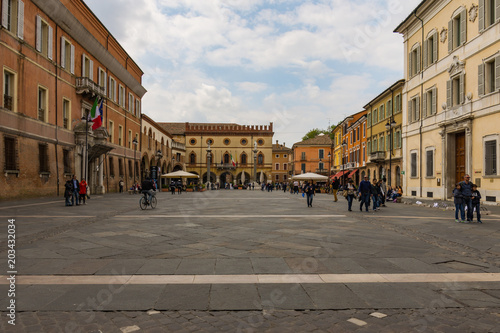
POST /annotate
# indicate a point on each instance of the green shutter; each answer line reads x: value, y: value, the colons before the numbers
x: 417, y: 109
x: 410, y: 63
x: 497, y: 70
x: 424, y: 106
x: 418, y: 59
x: 410, y: 118
x: 426, y: 49
x: 435, y: 47
x: 462, y: 88
x: 463, y: 27
x: 481, y: 15
x: 480, y: 80
x: 434, y: 101
x: 449, y: 100
x: 497, y: 11
x: 450, y: 36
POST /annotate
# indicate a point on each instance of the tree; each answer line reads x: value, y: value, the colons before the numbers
x: 316, y: 131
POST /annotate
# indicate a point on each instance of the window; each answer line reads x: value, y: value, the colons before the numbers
x: 136, y: 168
x: 430, y: 102
x: 303, y: 167
x: 111, y: 131
x: 129, y: 139
x: 381, y: 112
x: 120, y: 167
x: 397, y: 140
x: 364, y: 130
x: 192, y: 158
x: 364, y: 154
x: 227, y: 142
x: 112, y: 89
x: 413, y: 165
x: 457, y: 30
x: 10, y: 154
x: 381, y: 143
x: 243, y: 159
x: 102, y: 79
x: 226, y: 158
x: 429, y: 162
x: 285, y: 155
x: 285, y: 166
x: 9, y: 90
x: 489, y: 13
x: 455, y: 91
x: 303, y: 156
x: 137, y: 108
x: 374, y: 145
x: 321, y: 153
x: 414, y: 60
x: 260, y: 159
x: 357, y: 133
x: 431, y: 49
x: 13, y: 16
x: 244, y: 142
x: 44, y: 37
x: 131, y: 103
x: 369, y: 119
x: 489, y: 76
x: 42, y: 104
x: 414, y: 109
x: 285, y: 178
x: 67, y: 55
x: 87, y: 67
x: 388, y: 142
x: 121, y: 96
x: 130, y: 169
x: 43, y: 157
x: 260, y: 142
x: 375, y: 116
x: 321, y: 165
x: 398, y: 104
x: 67, y: 161
x: 277, y: 156
x: 111, y: 167
x: 490, y: 158
x: 277, y: 166
x: 66, y: 113
x: 120, y: 135
x: 388, y: 110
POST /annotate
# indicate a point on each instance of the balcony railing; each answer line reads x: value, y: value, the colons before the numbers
x: 7, y: 102
x: 350, y: 165
x: 84, y: 85
x: 41, y: 114
x: 225, y: 166
x: 377, y: 156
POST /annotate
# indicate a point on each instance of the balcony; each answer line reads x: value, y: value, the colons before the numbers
x: 377, y: 156
x: 225, y: 166
x: 86, y: 86
x: 350, y: 165
x: 7, y: 102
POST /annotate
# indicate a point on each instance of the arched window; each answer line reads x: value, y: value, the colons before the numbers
x: 226, y: 158
x: 260, y: 158
x: 192, y: 158
x: 243, y: 158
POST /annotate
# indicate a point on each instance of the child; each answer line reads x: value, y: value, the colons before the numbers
x: 476, y: 199
x: 459, y: 203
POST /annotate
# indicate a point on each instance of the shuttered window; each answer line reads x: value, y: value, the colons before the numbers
x: 10, y: 154
x: 490, y: 158
x: 44, y: 37
x: 429, y: 105
x: 455, y: 91
x: 429, y: 163
x: 67, y: 161
x: 431, y: 49
x: 13, y: 17
x: 43, y: 157
x: 457, y: 30
x: 413, y: 164
x: 111, y: 167
x: 489, y: 13
x: 414, y: 65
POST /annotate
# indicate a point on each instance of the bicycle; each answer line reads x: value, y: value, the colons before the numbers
x: 144, y: 203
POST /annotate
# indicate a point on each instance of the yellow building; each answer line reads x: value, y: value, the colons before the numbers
x: 280, y: 163
x: 238, y: 152
x: 451, y: 114
x: 384, y: 120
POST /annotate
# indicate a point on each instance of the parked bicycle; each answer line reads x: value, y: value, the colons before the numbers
x: 144, y: 202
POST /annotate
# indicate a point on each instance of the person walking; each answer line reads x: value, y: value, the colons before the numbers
x: 83, y: 191
x: 172, y: 187
x: 375, y: 194
x: 309, y: 190
x: 364, y: 190
x: 383, y: 190
x: 68, y: 191
x: 179, y: 187
x: 75, y: 198
x: 351, y: 193
x: 295, y: 187
x: 476, y: 203
x: 458, y: 200
x: 335, y: 188
x: 467, y: 193
x: 120, y: 184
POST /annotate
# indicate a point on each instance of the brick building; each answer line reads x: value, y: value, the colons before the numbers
x: 280, y: 162
x: 57, y: 58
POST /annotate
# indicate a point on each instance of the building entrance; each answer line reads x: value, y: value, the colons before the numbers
x: 459, y: 157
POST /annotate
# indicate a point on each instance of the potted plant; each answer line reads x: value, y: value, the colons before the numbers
x: 202, y: 188
x: 164, y: 188
x: 190, y: 188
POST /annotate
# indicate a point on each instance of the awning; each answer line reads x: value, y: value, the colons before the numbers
x: 339, y: 174
x: 98, y: 150
x: 352, y: 173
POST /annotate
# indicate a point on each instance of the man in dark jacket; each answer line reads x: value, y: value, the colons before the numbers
x: 335, y: 187
x: 364, y: 191
x: 147, y: 188
x: 309, y: 190
x: 466, y: 186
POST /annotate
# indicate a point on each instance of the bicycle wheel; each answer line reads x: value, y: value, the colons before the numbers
x: 153, y: 202
x: 142, y: 203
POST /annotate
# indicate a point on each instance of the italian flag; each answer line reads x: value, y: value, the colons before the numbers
x: 232, y: 160
x: 96, y: 114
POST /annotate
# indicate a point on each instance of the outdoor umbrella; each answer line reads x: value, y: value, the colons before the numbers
x: 261, y: 176
x: 310, y: 176
x: 243, y: 177
x: 180, y: 174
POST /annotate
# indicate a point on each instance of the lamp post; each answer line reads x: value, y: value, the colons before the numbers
x: 135, y: 143
x: 255, y: 161
x: 329, y: 169
x: 390, y: 126
x: 159, y: 154
x: 209, y: 156
x: 344, y: 144
x: 85, y: 153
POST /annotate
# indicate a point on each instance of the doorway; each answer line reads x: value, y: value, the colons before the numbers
x: 459, y: 157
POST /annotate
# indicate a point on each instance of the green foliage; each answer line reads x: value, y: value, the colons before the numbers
x: 316, y: 131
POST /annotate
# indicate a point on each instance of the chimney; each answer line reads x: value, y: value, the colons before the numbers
x: 277, y: 143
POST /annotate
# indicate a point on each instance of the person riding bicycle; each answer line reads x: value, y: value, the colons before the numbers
x: 147, y: 188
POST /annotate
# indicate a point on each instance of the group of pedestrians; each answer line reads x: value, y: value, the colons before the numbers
x: 75, y: 192
x: 176, y: 186
x: 467, y: 199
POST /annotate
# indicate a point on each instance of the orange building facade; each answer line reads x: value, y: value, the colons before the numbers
x: 57, y: 58
x: 281, y: 168
x: 313, y: 155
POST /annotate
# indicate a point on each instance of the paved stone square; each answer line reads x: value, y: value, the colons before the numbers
x: 248, y: 261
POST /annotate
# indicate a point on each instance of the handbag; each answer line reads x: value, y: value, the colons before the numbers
x: 344, y: 193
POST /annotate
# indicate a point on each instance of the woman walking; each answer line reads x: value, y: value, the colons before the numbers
x: 351, y: 193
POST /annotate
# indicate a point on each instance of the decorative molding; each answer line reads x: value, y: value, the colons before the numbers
x: 456, y: 66
x: 443, y: 35
x: 473, y: 12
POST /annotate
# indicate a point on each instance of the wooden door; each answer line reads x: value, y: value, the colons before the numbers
x: 460, y: 157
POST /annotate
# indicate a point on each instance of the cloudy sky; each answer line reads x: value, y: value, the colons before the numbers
x: 301, y: 64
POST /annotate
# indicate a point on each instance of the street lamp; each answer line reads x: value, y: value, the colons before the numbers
x: 389, y: 127
x: 135, y: 143
x: 255, y: 161
x: 209, y: 156
x: 344, y: 144
x: 329, y: 168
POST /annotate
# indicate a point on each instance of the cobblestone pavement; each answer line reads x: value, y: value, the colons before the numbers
x: 231, y: 233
